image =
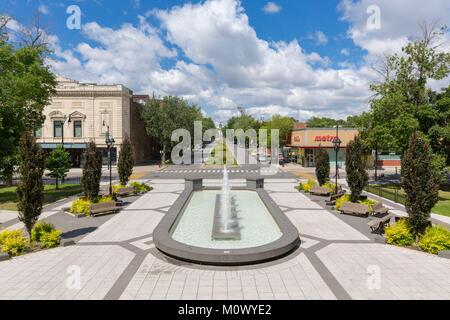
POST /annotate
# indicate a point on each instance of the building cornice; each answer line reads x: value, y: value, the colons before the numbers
x: 91, y: 94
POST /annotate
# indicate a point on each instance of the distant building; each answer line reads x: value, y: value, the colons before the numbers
x: 80, y: 112
x: 304, y: 142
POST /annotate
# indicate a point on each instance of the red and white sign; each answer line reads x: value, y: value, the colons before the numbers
x: 327, y: 138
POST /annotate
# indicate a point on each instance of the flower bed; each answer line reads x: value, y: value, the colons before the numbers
x: 311, y: 183
x: 434, y: 240
x: 346, y: 198
x: 82, y: 206
x: 139, y: 187
x: 43, y: 236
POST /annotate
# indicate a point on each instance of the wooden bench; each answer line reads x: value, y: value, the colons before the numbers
x: 355, y: 209
x: 320, y: 191
x: 378, y: 224
x: 379, y: 209
x: 334, y: 197
x: 124, y: 192
x: 104, y: 208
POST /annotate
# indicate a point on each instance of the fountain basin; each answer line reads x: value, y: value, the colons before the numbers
x: 186, y: 230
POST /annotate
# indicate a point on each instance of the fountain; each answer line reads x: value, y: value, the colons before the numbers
x: 226, y: 223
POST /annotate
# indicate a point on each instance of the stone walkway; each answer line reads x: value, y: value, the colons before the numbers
x: 336, y: 260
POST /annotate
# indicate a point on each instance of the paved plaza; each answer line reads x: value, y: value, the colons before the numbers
x: 338, y: 257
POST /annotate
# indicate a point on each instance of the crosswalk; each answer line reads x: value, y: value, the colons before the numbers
x: 217, y: 171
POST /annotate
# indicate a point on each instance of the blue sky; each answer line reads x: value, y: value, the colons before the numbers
x: 297, y: 58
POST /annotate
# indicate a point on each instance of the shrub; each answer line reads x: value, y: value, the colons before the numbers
x: 117, y: 187
x: 400, y: 234
x: 435, y: 239
x: 330, y: 186
x: 307, y: 186
x: 51, y: 239
x: 13, y: 242
x: 40, y: 228
x: 370, y: 203
x: 341, y: 200
x: 140, y: 188
x: 81, y: 206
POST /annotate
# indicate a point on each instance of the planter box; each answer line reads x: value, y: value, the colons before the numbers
x: 75, y: 215
x: 4, y: 256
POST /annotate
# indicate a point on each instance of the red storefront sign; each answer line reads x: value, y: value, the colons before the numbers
x: 327, y: 138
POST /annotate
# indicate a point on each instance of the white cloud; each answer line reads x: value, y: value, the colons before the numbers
x: 399, y: 21
x: 345, y: 52
x: 271, y: 7
x: 319, y: 37
x: 43, y: 9
x: 225, y: 64
x: 126, y: 55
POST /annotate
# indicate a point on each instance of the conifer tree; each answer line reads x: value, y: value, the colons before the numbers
x: 126, y: 161
x: 322, y: 166
x: 420, y: 181
x: 357, y: 176
x: 30, y: 190
x: 92, y: 172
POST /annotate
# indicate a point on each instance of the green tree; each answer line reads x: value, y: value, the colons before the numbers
x: 126, y: 161
x: 283, y: 124
x: 162, y: 117
x: 31, y: 188
x: 402, y: 102
x: 324, y: 122
x: 420, y: 181
x: 357, y: 177
x: 92, y: 172
x: 322, y: 166
x: 58, y: 164
x: 27, y: 85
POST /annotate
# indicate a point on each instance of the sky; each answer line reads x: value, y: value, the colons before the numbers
x: 295, y: 58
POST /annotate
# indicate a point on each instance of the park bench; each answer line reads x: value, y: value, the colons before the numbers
x: 355, y: 209
x: 320, y: 191
x: 104, y: 208
x: 124, y: 192
x: 378, y: 224
x: 379, y: 209
x: 334, y: 197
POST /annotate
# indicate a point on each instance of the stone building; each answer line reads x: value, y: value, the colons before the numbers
x: 81, y: 112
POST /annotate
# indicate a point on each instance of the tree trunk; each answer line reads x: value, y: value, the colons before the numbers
x: 56, y: 182
x: 163, y: 156
x: 376, y: 164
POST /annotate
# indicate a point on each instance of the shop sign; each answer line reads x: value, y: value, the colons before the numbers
x: 327, y: 138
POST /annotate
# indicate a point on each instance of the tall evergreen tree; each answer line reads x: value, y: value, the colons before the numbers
x: 322, y: 166
x: 357, y: 176
x: 58, y: 164
x: 31, y: 188
x: 92, y: 172
x: 420, y: 181
x: 126, y: 161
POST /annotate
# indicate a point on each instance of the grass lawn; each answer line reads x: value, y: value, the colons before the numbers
x: 8, y: 199
x: 393, y: 192
x: 220, y: 155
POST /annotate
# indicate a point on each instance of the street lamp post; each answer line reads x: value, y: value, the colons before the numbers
x: 337, y: 145
x: 62, y: 128
x: 109, y: 143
